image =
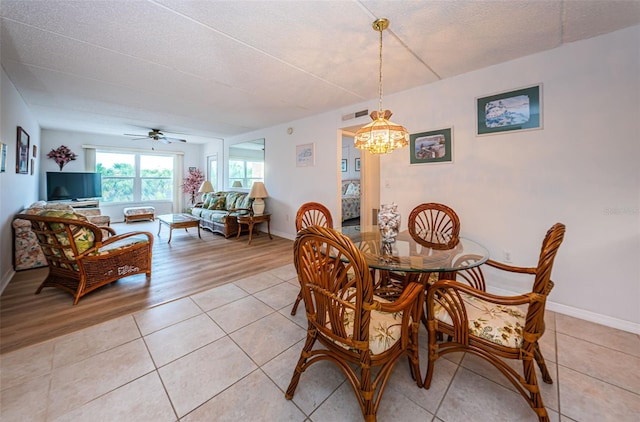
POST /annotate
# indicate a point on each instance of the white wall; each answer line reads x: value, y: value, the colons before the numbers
x: 52, y: 139
x: 16, y: 190
x: 580, y: 169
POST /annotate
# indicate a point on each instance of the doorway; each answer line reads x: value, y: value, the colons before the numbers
x: 365, y: 172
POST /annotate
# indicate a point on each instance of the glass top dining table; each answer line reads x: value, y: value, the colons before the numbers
x: 408, y: 255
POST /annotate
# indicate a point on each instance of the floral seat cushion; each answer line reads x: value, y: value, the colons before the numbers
x: 499, y: 324
x: 384, y: 328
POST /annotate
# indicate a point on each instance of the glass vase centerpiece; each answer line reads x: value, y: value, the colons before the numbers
x: 389, y: 222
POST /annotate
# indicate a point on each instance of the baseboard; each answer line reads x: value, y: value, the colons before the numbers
x: 601, y: 319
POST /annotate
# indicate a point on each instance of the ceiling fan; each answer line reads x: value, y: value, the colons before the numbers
x: 156, y: 135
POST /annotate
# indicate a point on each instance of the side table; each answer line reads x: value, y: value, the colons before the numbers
x: 252, y: 220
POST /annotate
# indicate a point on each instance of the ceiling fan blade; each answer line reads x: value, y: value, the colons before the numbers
x: 174, y: 139
x: 135, y: 134
x: 164, y: 140
x: 138, y: 139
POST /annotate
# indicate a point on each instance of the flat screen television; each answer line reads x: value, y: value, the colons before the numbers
x: 67, y: 186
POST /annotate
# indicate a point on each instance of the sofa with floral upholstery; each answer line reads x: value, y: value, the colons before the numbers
x: 26, y: 251
x: 218, y: 211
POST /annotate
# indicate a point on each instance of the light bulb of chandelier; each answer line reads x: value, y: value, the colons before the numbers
x: 381, y: 136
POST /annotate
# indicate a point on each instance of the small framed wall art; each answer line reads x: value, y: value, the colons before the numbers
x: 305, y: 155
x: 520, y: 109
x: 3, y: 157
x: 357, y: 166
x: 435, y: 146
x: 344, y: 165
x: 22, y: 152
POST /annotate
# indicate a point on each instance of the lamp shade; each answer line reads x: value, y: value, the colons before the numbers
x: 205, y: 187
x: 237, y: 184
x: 258, y: 190
x: 381, y: 136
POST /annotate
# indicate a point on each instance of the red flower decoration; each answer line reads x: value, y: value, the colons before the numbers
x: 62, y: 155
x: 192, y: 183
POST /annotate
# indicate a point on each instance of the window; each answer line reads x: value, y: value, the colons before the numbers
x: 246, y: 163
x: 246, y: 172
x: 212, y: 172
x: 132, y: 177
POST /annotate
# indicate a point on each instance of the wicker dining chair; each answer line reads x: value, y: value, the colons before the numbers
x: 496, y: 327
x: 81, y: 259
x: 311, y: 214
x: 431, y: 225
x: 434, y: 225
x: 363, y: 334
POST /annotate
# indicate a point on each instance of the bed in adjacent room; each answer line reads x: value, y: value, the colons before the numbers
x: 350, y: 199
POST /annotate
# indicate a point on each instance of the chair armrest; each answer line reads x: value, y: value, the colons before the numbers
x: 510, y: 268
x: 109, y: 230
x: 441, y: 285
x: 406, y: 299
x: 126, y: 235
x: 241, y: 209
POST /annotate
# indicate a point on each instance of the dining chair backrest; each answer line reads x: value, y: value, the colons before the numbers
x: 434, y: 225
x: 313, y: 214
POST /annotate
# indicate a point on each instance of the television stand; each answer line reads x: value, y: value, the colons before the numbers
x: 94, y: 203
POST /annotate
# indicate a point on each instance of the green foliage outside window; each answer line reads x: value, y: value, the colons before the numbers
x: 246, y: 171
x: 123, y: 181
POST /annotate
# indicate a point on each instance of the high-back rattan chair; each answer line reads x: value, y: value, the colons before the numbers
x: 434, y: 225
x: 364, y: 335
x: 311, y: 214
x: 81, y: 258
x: 497, y: 327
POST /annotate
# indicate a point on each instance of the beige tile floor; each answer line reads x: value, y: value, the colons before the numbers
x: 228, y: 354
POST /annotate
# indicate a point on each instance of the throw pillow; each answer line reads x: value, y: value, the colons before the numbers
x: 352, y: 190
x: 218, y: 203
x: 82, y: 237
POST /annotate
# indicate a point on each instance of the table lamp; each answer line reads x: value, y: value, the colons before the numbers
x: 258, y: 193
x: 236, y: 184
x: 206, y: 187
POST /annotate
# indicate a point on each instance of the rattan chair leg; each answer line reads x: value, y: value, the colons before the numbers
x: 535, y: 398
x: 295, y: 305
x: 537, y: 354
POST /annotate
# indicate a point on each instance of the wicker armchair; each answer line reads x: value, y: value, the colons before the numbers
x: 311, y: 214
x: 81, y: 258
x: 496, y: 327
x: 361, y: 333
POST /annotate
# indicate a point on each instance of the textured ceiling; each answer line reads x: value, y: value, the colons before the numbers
x: 221, y: 68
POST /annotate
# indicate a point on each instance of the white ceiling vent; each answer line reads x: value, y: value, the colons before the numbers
x: 355, y: 115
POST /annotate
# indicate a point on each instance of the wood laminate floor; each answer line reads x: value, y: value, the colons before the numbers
x: 186, y: 266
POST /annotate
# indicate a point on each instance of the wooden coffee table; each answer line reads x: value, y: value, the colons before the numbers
x: 178, y: 221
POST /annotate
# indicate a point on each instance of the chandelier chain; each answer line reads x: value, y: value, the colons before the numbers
x: 380, y: 77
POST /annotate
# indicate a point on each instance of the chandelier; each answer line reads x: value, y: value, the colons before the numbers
x: 381, y: 136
